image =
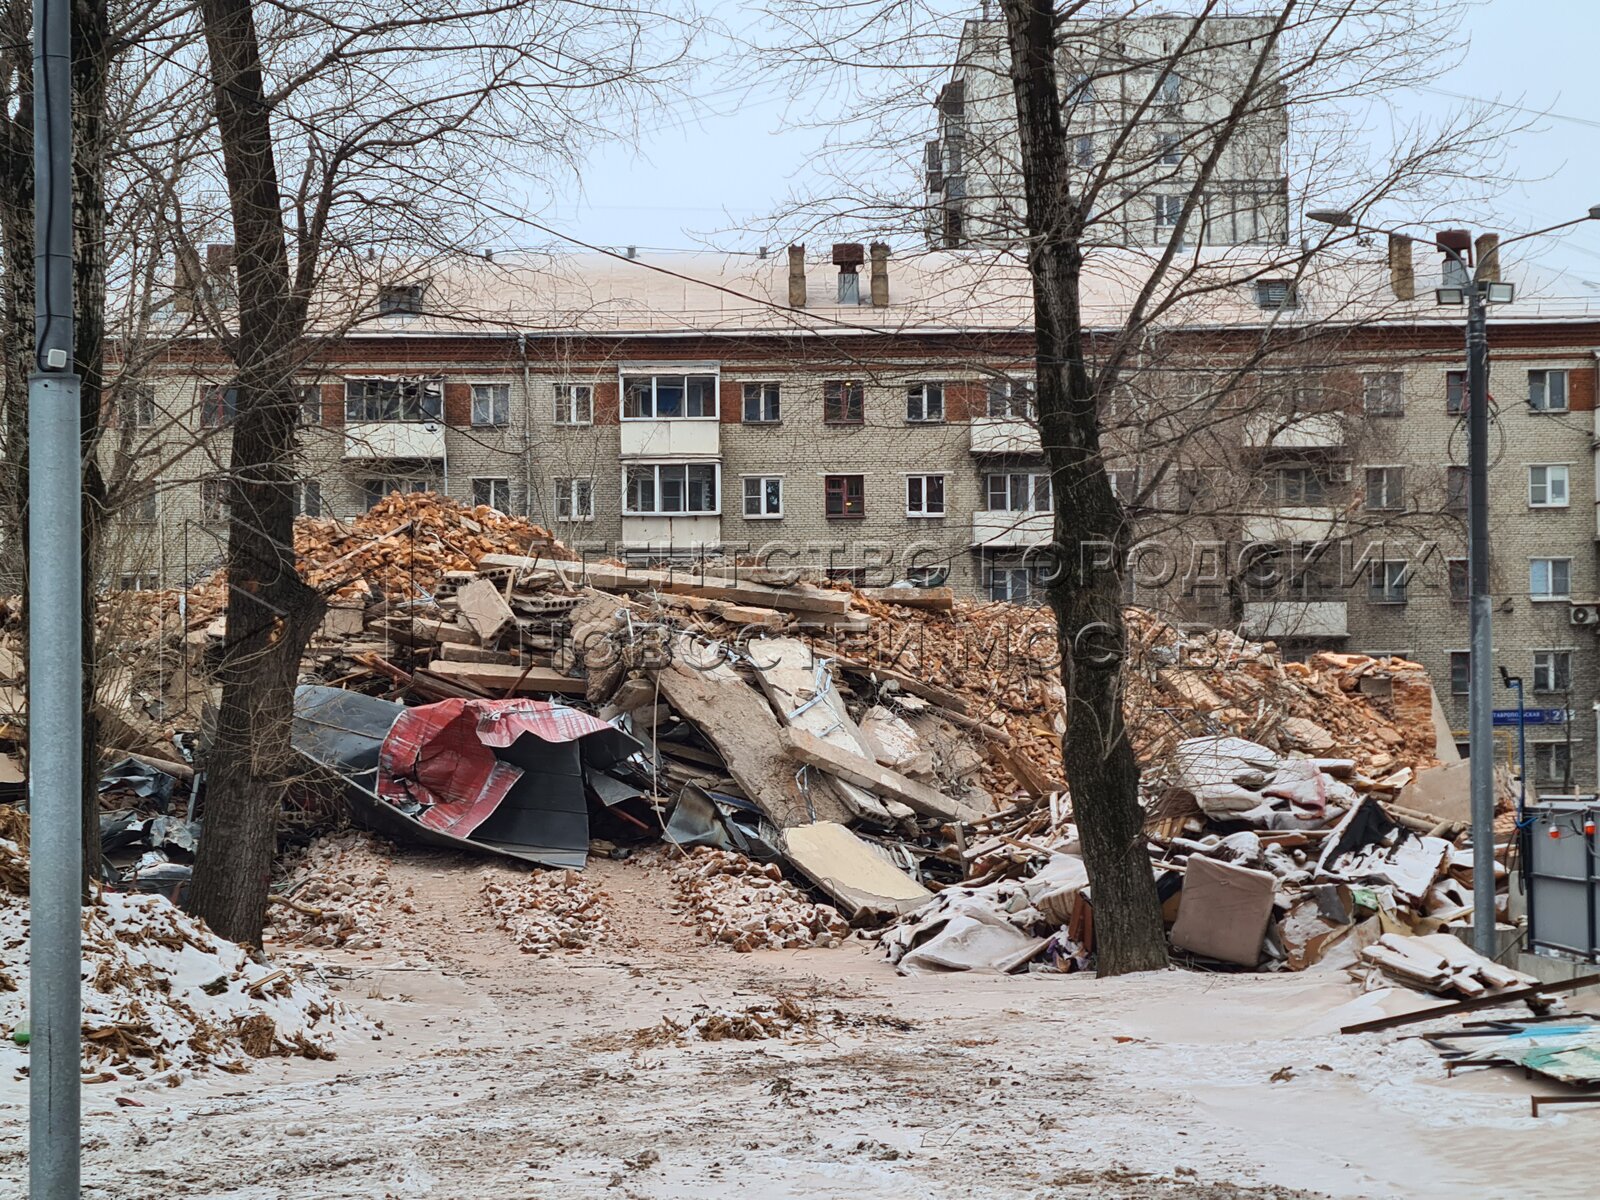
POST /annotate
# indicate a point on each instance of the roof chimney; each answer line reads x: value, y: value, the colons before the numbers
x: 1489, y: 257
x: 1402, y: 272
x: 187, y: 278
x: 797, y: 276
x: 880, y: 275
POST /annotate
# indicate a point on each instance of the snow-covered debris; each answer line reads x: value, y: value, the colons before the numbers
x: 337, y: 892
x: 546, y: 911
x: 164, y: 995
x: 748, y: 905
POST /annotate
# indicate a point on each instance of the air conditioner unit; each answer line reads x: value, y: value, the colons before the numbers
x: 1584, y: 614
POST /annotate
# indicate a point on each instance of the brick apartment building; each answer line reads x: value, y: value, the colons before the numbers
x: 872, y: 418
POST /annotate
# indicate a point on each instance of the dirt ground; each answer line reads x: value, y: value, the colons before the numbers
x: 510, y: 1075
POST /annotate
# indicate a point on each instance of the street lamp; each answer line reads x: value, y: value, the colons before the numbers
x: 1476, y: 295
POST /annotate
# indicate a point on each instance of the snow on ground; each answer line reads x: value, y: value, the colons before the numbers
x: 163, y: 997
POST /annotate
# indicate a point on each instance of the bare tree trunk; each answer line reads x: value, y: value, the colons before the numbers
x: 271, y: 611
x: 1090, y: 529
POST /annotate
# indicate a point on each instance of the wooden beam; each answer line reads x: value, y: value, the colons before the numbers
x: 498, y: 677
x: 683, y: 583
x: 880, y: 780
x: 1492, y: 1000
x: 940, y: 599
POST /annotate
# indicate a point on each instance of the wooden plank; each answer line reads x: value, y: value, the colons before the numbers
x: 940, y: 599
x: 1492, y: 1000
x: 477, y: 654
x: 497, y: 678
x: 863, y: 772
x: 484, y: 609
x: 682, y: 583
x: 734, y: 614
x: 736, y: 719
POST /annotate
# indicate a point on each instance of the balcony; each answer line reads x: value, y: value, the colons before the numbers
x: 681, y: 438
x: 1315, y: 524
x: 1004, y: 435
x: 668, y: 534
x: 1305, y: 431
x: 1012, y: 529
x: 394, y: 439
x: 1296, y: 619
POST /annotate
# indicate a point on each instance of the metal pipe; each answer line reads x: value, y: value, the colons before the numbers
x: 1480, y: 699
x: 55, y: 637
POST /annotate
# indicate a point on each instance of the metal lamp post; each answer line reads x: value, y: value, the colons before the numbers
x: 1476, y: 295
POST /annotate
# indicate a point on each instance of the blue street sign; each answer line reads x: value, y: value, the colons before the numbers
x: 1533, y: 716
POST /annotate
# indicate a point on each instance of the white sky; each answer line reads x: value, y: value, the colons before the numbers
x: 698, y: 182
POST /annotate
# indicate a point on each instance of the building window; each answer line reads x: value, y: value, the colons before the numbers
x: 1552, y: 764
x: 1124, y: 485
x: 843, y: 402
x: 1547, y: 487
x: 669, y: 397
x: 844, y: 495
x: 1083, y: 150
x: 1455, y: 489
x: 1300, y: 486
x: 574, y: 404
x: 575, y: 499
x: 690, y: 489
x: 1019, y: 491
x: 142, y: 508
x: 1552, y: 670
x: 307, y: 498
x: 1547, y: 391
x: 849, y: 286
x: 1017, y: 585
x: 1011, y: 398
x: 761, y: 403
x: 1456, y: 579
x: 136, y: 407
x: 1169, y: 90
x: 925, y: 402
x: 491, y: 404
x: 139, y: 581
x: 1080, y: 88
x: 400, y: 299
x: 1385, y: 488
x: 1460, y: 672
x: 495, y: 493
x: 308, y: 397
x: 375, y: 490
x: 924, y: 495
x: 1382, y: 394
x: 218, y: 407
x: 763, y: 497
x: 1455, y: 392
x: 393, y: 400
x: 213, y: 500
x: 1276, y: 293
x: 1549, y: 578
x: 1169, y: 149
x: 1387, y: 582
x: 1169, y: 211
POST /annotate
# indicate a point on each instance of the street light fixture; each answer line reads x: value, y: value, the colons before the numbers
x: 1461, y: 289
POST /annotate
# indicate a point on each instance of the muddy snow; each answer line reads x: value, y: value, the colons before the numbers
x: 656, y: 1064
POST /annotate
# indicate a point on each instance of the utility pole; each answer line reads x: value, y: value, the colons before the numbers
x: 55, y: 635
x: 1480, y: 698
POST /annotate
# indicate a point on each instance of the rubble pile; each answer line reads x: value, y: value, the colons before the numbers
x: 748, y: 905
x: 162, y: 995
x: 336, y: 891
x: 546, y: 911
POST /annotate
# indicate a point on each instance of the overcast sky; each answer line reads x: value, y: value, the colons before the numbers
x: 698, y: 180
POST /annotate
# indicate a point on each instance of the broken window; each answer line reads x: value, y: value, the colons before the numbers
x: 843, y: 402
x: 139, y: 581
x: 400, y: 299
x: 382, y: 399
x: 1276, y: 293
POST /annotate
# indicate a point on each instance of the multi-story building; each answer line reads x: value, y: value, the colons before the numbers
x: 874, y: 419
x: 1144, y: 102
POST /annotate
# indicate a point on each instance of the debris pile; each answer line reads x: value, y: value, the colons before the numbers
x: 336, y: 891
x: 545, y: 911
x: 162, y: 995
x: 750, y: 906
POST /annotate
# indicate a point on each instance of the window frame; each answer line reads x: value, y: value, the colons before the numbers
x: 1265, y: 290
x: 496, y: 420
x: 1566, y: 485
x: 656, y: 469
x: 404, y: 484
x: 1169, y: 148
x: 1456, y: 393
x: 1391, y: 403
x: 841, y: 484
x: 136, y: 403
x: 565, y: 405
x: 1551, y: 596
x: 1561, y: 752
x: 923, y: 479
x: 1393, y: 498
x: 923, y: 398
x: 567, y: 493
x: 301, y: 489
x: 760, y: 482
x: 655, y: 375
x: 757, y: 389
x: 1030, y: 489
x: 1460, y: 661
x: 408, y: 407
x: 219, y: 405
x: 1545, y: 376
x: 851, y: 395
x: 141, y: 581
x: 214, y: 499
x: 1386, y: 586
x: 309, y: 413
x: 1557, y: 658
x: 494, y: 483
x: 1005, y: 391
x: 1452, y: 568
x: 1456, y: 482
